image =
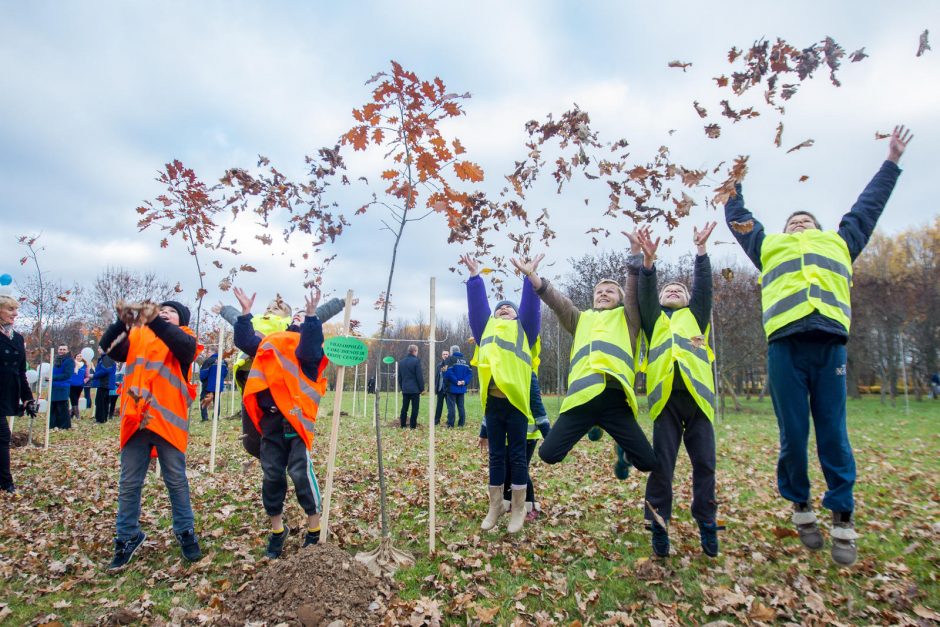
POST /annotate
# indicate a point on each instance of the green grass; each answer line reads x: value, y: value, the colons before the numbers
x: 586, y: 558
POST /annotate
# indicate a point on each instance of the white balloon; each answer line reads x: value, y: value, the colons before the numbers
x: 32, y: 376
x: 41, y: 406
x: 6, y: 290
x: 45, y: 370
x: 88, y: 353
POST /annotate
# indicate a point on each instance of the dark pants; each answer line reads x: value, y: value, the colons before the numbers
x: 808, y: 375
x: 102, y: 404
x: 529, y: 488
x: 455, y: 399
x: 112, y: 404
x: 440, y: 397
x: 414, y: 400
x: 75, y: 395
x: 282, y: 449
x: 681, y: 420
x: 609, y: 411
x: 87, y: 390
x: 251, y: 439
x: 505, y: 422
x: 60, y: 417
x: 6, y: 478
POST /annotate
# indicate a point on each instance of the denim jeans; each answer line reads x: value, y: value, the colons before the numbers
x: 505, y: 422
x: 455, y: 399
x: 135, y: 460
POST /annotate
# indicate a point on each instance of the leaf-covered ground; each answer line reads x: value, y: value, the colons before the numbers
x: 586, y: 560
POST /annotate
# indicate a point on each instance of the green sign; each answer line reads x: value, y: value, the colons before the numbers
x: 345, y: 351
x: 388, y: 359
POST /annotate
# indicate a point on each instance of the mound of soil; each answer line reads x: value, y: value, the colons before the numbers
x: 18, y: 439
x: 317, y: 585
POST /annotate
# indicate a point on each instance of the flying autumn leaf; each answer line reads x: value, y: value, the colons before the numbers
x: 742, y: 227
x: 727, y: 274
x: 858, y: 55
x: 679, y: 64
x: 468, y: 171
x: 722, y: 81
x: 659, y: 519
x: 778, y: 138
x: 804, y: 178
x: 684, y: 206
x: 803, y: 144
x: 713, y: 131
x: 702, y: 112
x: 882, y: 135
x: 923, y: 46
x: 733, y: 54
x: 485, y: 270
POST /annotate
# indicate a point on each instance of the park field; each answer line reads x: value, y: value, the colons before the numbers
x: 584, y: 561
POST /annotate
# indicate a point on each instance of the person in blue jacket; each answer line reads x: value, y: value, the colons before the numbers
x: 103, y: 382
x: 63, y: 368
x: 805, y: 279
x: 207, y: 376
x: 76, y: 385
x: 113, y: 393
x: 456, y: 379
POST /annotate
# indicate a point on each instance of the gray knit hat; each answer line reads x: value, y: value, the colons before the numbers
x: 507, y: 302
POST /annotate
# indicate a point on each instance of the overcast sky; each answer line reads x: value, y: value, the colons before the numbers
x: 97, y: 96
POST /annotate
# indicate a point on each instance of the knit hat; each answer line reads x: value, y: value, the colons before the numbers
x: 181, y: 309
x: 507, y: 302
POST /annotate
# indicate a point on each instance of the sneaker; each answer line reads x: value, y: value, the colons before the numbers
x: 531, y: 515
x: 708, y: 533
x: 659, y: 540
x: 312, y: 537
x: 9, y: 489
x: 124, y: 551
x: 621, y: 466
x: 844, y: 551
x: 595, y: 434
x: 807, y: 526
x: 189, y: 543
x: 276, y: 543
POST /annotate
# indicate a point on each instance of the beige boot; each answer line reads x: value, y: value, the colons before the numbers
x: 517, y: 515
x: 496, y: 508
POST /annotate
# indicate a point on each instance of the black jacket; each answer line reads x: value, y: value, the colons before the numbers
x: 410, y: 376
x: 14, y: 390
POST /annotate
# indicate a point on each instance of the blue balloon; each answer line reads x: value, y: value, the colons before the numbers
x: 5, y: 279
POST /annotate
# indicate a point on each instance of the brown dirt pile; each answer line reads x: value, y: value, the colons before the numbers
x: 317, y: 585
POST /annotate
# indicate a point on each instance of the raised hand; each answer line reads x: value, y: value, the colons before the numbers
x: 472, y: 266
x: 244, y: 300
x: 701, y: 237
x: 649, y: 247
x: 900, y: 138
x: 530, y: 269
x: 311, y: 301
x: 216, y: 308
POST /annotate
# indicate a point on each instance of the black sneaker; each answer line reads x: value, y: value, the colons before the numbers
x: 9, y: 489
x: 312, y: 537
x: 621, y: 466
x: 708, y: 533
x: 660, y: 539
x: 276, y: 543
x: 595, y: 434
x: 124, y: 551
x: 189, y: 543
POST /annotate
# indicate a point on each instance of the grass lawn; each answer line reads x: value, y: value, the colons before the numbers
x: 586, y: 560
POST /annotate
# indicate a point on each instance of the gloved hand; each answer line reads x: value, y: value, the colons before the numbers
x: 31, y: 408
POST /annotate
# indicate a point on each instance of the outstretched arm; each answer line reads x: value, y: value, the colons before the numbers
x: 745, y: 228
x: 700, y: 302
x: 478, y: 308
x: 530, y: 310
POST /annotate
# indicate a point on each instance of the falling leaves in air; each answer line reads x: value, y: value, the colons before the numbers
x: 879, y: 135
x: 713, y: 131
x: 923, y: 45
x: 778, y: 138
x: 858, y: 55
x: 742, y: 227
x: 803, y: 144
x: 702, y: 112
x: 804, y: 178
x: 727, y: 274
x: 679, y: 64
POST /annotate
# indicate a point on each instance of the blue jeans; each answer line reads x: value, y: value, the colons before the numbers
x: 135, y: 460
x: 455, y: 399
x: 808, y: 375
x: 504, y: 421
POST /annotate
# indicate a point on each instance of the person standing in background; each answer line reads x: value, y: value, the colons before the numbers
x: 411, y: 382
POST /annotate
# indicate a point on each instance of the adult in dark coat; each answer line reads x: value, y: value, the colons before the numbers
x: 103, y: 382
x: 15, y: 395
x: 411, y: 382
x: 62, y: 371
x: 440, y: 386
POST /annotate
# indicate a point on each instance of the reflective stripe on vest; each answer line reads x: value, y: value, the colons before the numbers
x: 672, y: 345
x: 802, y: 273
x: 504, y: 359
x: 601, y: 348
x: 164, y: 371
x: 167, y: 414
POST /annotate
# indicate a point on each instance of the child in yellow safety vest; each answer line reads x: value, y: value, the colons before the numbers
x: 680, y: 389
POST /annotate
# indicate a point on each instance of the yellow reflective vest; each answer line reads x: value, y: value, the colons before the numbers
x: 504, y: 358
x: 678, y: 341
x: 805, y: 272
x: 601, y: 348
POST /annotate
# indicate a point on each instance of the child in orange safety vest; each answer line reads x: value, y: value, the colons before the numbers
x: 159, y: 349
x: 281, y: 396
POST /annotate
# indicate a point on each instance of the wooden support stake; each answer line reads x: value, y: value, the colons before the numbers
x: 49, y: 396
x: 432, y: 484
x: 334, y: 432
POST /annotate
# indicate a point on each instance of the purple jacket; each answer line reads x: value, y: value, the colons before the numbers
x: 530, y: 313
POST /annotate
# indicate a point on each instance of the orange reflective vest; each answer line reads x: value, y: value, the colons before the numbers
x: 156, y: 393
x: 275, y: 368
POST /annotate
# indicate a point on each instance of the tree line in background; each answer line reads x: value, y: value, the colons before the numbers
x: 895, y: 317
